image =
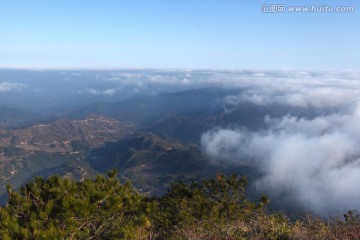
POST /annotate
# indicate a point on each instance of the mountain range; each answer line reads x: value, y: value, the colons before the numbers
x: 152, y: 140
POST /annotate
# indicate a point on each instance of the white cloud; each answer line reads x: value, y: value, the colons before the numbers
x: 108, y: 92
x: 314, y: 162
x: 306, y: 95
x: 262, y: 87
x: 7, y: 86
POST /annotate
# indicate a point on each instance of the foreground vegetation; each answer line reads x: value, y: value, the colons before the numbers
x: 103, y: 208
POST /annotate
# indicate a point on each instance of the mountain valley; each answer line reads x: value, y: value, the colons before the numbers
x: 153, y: 141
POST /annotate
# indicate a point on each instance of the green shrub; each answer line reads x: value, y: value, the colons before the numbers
x: 104, y: 208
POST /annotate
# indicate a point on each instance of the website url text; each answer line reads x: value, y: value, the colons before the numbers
x: 282, y: 8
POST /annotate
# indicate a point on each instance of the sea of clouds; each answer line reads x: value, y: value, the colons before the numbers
x: 312, y: 162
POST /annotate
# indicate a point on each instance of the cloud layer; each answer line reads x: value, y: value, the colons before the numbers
x: 313, y: 162
x: 263, y: 87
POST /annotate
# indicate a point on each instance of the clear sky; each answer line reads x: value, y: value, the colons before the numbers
x: 219, y: 34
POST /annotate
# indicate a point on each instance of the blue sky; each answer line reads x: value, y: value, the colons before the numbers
x: 217, y: 34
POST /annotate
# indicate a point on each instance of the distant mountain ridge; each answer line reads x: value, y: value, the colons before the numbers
x: 193, y: 111
x: 145, y: 110
x: 13, y: 117
x: 59, y: 135
x: 29, y: 150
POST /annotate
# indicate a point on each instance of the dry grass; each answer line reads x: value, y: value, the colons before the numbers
x: 272, y: 227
